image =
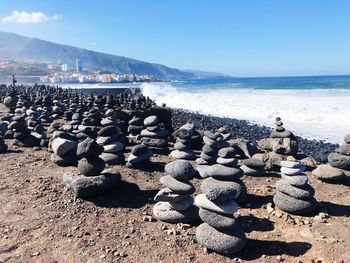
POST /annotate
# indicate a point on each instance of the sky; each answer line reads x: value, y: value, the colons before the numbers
x: 236, y: 37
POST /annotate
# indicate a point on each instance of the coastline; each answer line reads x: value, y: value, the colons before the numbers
x: 317, y: 149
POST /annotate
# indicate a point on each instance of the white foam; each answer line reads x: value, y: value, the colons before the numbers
x: 315, y: 113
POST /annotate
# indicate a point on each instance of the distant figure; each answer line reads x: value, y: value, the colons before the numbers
x: 14, y: 81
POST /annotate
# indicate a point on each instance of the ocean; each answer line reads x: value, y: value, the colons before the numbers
x: 315, y: 107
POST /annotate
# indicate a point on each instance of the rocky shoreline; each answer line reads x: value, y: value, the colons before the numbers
x: 317, y: 149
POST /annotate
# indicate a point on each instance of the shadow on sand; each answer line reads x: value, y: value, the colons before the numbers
x: 127, y: 195
x: 256, y: 248
x: 335, y: 209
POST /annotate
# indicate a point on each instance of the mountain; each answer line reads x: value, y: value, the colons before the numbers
x: 14, y: 47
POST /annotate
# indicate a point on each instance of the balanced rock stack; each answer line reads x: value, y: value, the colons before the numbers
x: 3, y: 146
x: 210, y: 148
x: 338, y: 164
x: 139, y: 157
x: 226, y: 169
x: 154, y: 136
x: 175, y: 202
x: 109, y: 138
x: 182, y: 146
x: 220, y: 231
x: 64, y: 149
x: 92, y: 180
x: 293, y: 193
x: 253, y: 167
x: 21, y: 133
x: 135, y: 126
x: 281, y: 141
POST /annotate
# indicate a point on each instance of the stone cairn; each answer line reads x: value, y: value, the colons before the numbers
x: 175, y: 202
x: 64, y: 148
x: 135, y: 126
x: 210, y: 149
x: 183, y: 143
x: 20, y: 131
x: 338, y: 164
x: 282, y: 143
x: 139, y: 157
x: 293, y: 193
x: 110, y: 139
x: 220, y: 231
x: 3, y: 146
x: 223, y: 163
x: 91, y: 180
x: 153, y: 136
x: 253, y: 167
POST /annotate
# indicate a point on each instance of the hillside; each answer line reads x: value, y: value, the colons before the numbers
x: 13, y: 46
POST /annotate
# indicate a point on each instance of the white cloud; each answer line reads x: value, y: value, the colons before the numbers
x: 23, y: 17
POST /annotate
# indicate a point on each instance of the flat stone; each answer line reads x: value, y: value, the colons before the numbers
x: 182, y: 204
x: 61, y: 146
x: 218, y: 191
x: 135, y: 121
x: 113, y: 158
x: 211, y: 135
x: 290, y: 164
x: 91, y: 166
x: 161, y: 133
x: 231, y: 162
x: 83, y: 186
x: 327, y: 173
x: 284, y: 134
x: 185, y: 155
x: 162, y: 211
x: 228, y: 152
x: 297, y: 180
x: 293, y: 171
x: 153, y: 128
x: 139, y: 149
x: 178, y: 187
x: 203, y: 170
x: 218, y: 221
x: 154, y: 142
x: 211, y: 143
x: 88, y: 149
x: 180, y: 146
x: 227, y: 243
x: 228, y: 207
x: 68, y: 159
x: 151, y: 121
x: 188, y: 126
x: 301, y: 192
x: 208, y: 150
x: 222, y: 172
x: 133, y: 159
x: 344, y: 149
x: 166, y: 195
x: 293, y: 205
x: 108, y: 130
x: 253, y: 171
x: 113, y: 148
x: 182, y: 134
x: 104, y: 140
x: 208, y: 158
x: 347, y: 138
x: 340, y: 161
x: 254, y: 163
x: 180, y: 170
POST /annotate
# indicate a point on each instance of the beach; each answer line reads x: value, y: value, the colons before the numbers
x: 42, y: 220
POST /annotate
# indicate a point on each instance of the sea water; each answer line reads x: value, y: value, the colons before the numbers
x: 312, y: 107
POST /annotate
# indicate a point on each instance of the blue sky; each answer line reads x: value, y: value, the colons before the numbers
x: 240, y: 38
